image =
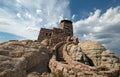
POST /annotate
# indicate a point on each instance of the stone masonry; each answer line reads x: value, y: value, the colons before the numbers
x: 56, y: 35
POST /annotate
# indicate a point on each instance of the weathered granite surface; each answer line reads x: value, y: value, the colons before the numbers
x: 83, y: 64
x: 99, y: 54
x: 28, y: 58
x: 18, y: 58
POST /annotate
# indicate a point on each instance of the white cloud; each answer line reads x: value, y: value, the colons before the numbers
x: 97, y: 28
x: 18, y: 15
x: 38, y: 11
x: 73, y: 17
x: 101, y: 27
x: 25, y: 17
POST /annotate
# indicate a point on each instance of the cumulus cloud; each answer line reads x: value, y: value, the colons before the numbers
x: 101, y: 27
x: 25, y: 17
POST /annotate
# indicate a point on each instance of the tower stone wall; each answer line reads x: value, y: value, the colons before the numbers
x: 56, y: 35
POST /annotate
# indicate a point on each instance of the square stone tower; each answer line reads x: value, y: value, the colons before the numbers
x: 57, y: 35
x: 67, y: 27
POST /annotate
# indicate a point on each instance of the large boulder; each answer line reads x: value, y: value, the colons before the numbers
x: 18, y: 58
x: 76, y: 54
x: 93, y: 50
x: 100, y: 55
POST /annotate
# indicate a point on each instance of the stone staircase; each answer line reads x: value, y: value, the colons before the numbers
x: 76, y: 69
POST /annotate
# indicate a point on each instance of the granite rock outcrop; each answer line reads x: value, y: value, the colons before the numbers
x: 18, y: 58
x: 99, y: 54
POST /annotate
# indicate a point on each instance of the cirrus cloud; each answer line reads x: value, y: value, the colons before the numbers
x: 25, y: 17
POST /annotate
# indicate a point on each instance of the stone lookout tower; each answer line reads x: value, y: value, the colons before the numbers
x: 57, y: 35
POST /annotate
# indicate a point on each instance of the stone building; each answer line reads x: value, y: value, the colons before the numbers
x: 56, y: 35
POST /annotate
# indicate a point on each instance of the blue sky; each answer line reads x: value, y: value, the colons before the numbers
x: 97, y: 20
x: 82, y: 8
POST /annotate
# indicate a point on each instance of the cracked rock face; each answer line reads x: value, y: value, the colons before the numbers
x: 18, y: 58
x: 76, y: 54
x: 110, y: 60
x: 99, y: 54
x: 75, y: 61
x: 93, y: 50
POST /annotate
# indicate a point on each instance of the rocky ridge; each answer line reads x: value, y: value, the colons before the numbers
x: 29, y: 58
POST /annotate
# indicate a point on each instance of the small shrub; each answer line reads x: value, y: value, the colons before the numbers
x: 58, y: 74
x: 103, y: 69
